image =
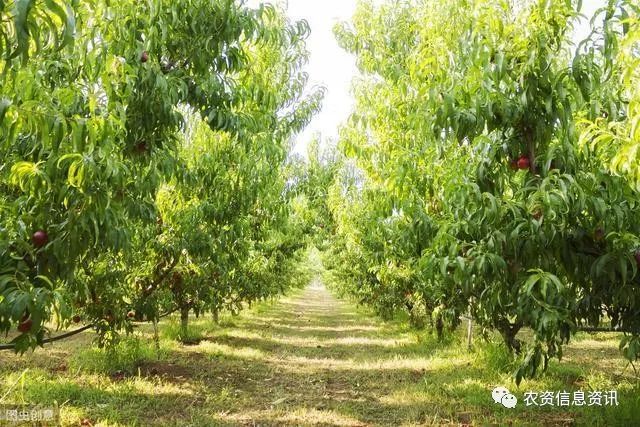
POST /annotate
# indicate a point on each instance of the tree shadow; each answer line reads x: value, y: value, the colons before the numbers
x: 117, y: 403
x: 340, y: 348
x: 307, y: 362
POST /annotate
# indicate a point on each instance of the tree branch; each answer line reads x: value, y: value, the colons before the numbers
x: 152, y: 287
x: 76, y: 332
x: 52, y: 339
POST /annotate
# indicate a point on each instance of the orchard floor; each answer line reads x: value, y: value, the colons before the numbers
x: 309, y: 359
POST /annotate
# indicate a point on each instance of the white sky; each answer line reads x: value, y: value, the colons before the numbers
x: 333, y: 68
x: 329, y: 65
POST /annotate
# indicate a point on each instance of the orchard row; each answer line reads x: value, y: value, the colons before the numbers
x: 144, y: 161
x: 491, y: 170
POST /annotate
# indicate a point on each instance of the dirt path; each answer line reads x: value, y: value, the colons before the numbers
x: 312, y: 359
x: 307, y: 360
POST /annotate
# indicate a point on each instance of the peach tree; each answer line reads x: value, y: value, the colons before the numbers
x: 475, y: 196
x: 92, y: 101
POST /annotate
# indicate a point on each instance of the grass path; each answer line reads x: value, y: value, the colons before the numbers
x: 309, y: 359
x: 314, y: 359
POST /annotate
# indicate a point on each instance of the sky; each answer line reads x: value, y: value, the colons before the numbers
x: 333, y: 68
x: 329, y: 65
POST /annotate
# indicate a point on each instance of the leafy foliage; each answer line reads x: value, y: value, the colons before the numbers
x: 616, y: 140
x: 146, y: 142
x: 468, y: 191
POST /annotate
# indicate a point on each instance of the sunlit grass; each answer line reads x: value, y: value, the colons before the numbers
x: 221, y: 350
x: 308, y: 360
x: 302, y: 416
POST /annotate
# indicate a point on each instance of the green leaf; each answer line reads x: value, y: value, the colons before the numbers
x: 4, y: 107
x: 22, y: 10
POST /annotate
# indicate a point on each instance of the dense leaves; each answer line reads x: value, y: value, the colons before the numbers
x: 616, y: 139
x: 147, y: 141
x: 469, y: 191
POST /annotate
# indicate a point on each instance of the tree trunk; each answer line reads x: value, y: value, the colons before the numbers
x: 184, y: 321
x: 440, y: 327
x: 509, y: 332
x: 216, y: 318
x: 531, y: 146
x: 156, y: 338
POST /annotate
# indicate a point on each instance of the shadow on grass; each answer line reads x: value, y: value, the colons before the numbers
x: 326, y: 348
x: 127, y: 402
x: 313, y: 360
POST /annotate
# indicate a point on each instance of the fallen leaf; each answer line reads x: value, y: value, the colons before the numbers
x: 279, y: 401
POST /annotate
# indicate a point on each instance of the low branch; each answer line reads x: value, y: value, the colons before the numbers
x: 163, y: 276
x: 69, y: 334
x: 77, y: 331
x: 168, y: 313
x: 52, y: 339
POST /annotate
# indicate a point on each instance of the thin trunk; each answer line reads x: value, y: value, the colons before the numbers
x: 184, y: 321
x: 509, y: 332
x: 216, y: 319
x: 440, y: 327
x: 156, y: 337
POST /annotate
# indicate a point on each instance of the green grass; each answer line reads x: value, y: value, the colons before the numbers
x: 309, y: 359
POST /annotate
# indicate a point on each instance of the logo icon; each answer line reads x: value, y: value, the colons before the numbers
x: 502, y: 396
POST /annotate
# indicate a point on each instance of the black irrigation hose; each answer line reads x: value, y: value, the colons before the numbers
x: 168, y: 313
x: 594, y: 329
x: 588, y: 328
x: 77, y: 331
x: 52, y: 339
